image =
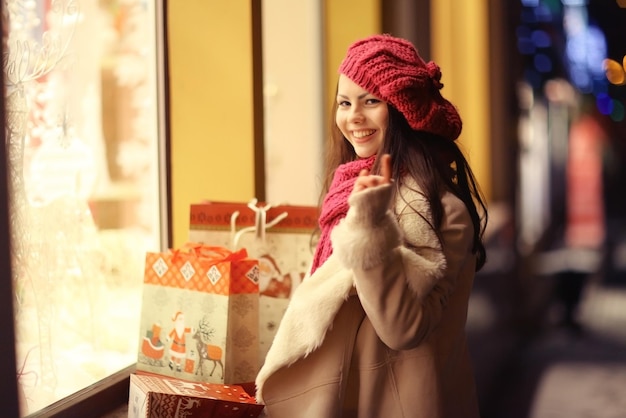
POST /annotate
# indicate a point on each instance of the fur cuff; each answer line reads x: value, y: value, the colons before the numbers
x: 369, y: 231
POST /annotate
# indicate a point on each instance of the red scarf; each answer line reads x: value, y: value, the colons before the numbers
x: 335, y: 205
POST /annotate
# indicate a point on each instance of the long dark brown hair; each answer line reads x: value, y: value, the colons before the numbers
x: 436, y: 164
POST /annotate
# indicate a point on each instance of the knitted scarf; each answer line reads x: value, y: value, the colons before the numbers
x: 335, y: 205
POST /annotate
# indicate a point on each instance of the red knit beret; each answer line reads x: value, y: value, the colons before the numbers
x: 391, y: 69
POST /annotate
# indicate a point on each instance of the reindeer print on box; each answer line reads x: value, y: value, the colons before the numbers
x: 200, y: 315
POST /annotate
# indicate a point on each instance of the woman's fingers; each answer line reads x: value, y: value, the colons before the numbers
x: 385, y: 168
x: 365, y: 180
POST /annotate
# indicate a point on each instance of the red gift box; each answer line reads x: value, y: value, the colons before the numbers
x: 152, y: 396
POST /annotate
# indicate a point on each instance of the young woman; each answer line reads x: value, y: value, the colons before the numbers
x: 378, y: 327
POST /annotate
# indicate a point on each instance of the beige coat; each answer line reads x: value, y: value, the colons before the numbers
x: 379, y: 329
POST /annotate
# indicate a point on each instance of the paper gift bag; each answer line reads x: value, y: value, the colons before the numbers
x: 200, y: 314
x: 161, y: 397
x: 279, y: 237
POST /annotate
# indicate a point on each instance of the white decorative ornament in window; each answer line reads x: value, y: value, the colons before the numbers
x: 82, y: 142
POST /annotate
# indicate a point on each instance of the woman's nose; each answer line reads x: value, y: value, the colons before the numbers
x: 355, y: 114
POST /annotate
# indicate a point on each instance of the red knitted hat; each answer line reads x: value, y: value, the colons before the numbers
x: 391, y: 69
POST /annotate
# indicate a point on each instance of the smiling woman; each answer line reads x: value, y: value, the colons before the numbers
x: 105, y: 224
x: 361, y: 117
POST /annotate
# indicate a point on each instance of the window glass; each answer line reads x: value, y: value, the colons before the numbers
x: 83, y: 142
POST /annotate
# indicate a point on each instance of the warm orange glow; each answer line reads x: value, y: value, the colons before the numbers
x: 614, y: 72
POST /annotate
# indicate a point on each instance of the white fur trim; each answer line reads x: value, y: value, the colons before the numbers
x: 369, y: 231
x: 427, y: 269
x: 308, y: 317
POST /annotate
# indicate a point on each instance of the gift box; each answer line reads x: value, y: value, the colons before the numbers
x: 281, y: 239
x: 153, y: 396
x: 200, y: 314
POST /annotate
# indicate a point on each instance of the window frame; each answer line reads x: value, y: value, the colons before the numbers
x: 110, y: 393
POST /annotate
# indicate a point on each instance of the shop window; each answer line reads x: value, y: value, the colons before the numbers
x: 85, y: 145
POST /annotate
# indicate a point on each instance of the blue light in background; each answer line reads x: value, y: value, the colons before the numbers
x: 604, y: 103
x: 543, y: 63
x: 543, y: 13
x: 526, y: 46
x: 541, y: 39
x: 585, y: 49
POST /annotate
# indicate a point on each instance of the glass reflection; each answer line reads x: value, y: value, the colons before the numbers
x: 83, y: 145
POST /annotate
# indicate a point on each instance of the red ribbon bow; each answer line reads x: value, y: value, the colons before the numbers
x: 213, y: 254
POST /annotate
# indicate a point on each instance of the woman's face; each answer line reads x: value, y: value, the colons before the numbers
x: 361, y: 117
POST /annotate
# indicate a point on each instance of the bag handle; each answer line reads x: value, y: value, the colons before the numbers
x: 209, y: 252
x: 260, y: 224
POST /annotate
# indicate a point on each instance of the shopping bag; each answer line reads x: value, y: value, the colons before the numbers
x: 200, y: 314
x: 281, y: 239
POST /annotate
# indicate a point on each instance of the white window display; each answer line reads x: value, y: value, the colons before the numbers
x: 84, y: 145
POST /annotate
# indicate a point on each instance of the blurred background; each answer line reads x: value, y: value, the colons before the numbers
x: 547, y: 323
x: 120, y: 114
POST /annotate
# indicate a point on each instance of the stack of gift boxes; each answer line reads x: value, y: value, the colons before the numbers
x: 210, y: 308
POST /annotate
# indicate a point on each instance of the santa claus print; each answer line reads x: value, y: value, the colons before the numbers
x: 177, y: 337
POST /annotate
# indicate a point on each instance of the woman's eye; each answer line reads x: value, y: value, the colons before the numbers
x: 372, y: 101
x: 343, y: 103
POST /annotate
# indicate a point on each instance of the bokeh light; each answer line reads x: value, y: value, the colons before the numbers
x: 543, y: 63
x: 614, y: 71
x: 604, y: 103
x: 617, y: 114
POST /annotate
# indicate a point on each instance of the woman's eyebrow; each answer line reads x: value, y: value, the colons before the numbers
x: 358, y: 97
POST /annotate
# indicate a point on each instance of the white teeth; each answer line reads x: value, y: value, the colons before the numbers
x: 361, y: 134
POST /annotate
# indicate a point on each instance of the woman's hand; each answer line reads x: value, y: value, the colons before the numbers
x: 366, y: 180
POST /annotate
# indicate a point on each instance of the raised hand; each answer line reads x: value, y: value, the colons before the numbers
x: 366, y: 180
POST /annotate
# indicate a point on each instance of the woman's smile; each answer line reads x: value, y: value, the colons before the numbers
x: 361, y: 117
x: 363, y: 134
